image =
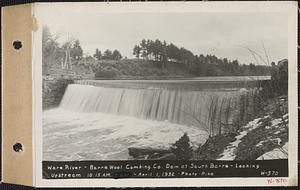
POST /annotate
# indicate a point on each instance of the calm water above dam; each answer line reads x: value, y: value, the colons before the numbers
x: 99, y: 120
x: 199, y: 83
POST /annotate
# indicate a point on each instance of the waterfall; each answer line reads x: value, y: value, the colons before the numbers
x: 214, y: 111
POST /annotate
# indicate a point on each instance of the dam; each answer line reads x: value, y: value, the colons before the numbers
x: 107, y: 116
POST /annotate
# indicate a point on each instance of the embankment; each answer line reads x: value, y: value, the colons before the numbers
x: 53, y: 91
x: 264, y: 137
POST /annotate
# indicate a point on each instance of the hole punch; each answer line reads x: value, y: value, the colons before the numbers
x: 18, y: 147
x: 17, y: 44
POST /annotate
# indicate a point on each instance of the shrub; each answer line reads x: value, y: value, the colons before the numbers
x: 278, y: 85
x: 279, y: 77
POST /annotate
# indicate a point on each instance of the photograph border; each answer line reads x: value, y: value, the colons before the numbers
x: 289, y: 7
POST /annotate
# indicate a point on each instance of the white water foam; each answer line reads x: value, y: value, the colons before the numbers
x: 98, y: 136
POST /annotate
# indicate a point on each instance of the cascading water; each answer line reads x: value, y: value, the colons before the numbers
x: 204, y: 109
x: 145, y: 116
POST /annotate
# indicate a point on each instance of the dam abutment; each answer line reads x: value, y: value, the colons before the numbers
x: 53, y: 91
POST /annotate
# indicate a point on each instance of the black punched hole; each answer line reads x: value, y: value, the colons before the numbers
x: 18, y: 147
x: 17, y: 44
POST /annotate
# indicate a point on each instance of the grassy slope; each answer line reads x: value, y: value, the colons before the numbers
x: 124, y: 68
x: 135, y: 67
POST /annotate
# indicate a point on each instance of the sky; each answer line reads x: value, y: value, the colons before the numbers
x: 219, y: 33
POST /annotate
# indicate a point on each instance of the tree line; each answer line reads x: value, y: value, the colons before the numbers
x: 160, y: 52
x: 107, y: 55
x: 199, y: 65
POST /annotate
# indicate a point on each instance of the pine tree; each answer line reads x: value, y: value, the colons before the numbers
x: 182, y: 148
x: 98, y: 54
x: 116, y: 55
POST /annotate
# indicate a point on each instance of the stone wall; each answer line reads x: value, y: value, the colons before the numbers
x: 53, y: 91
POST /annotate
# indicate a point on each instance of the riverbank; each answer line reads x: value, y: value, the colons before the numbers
x: 53, y: 92
x: 265, y: 137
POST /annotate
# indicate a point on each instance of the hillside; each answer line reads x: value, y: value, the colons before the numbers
x: 138, y: 67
